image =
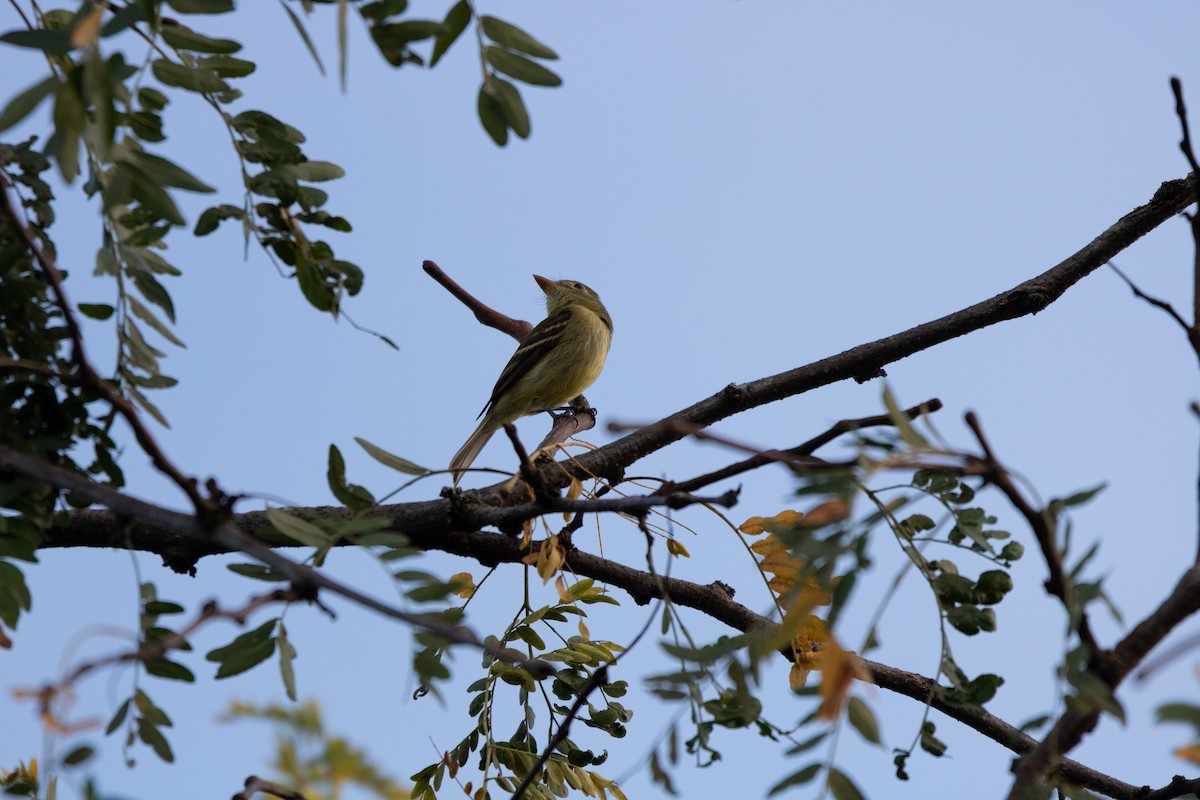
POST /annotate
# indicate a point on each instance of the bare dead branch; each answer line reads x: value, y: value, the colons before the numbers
x: 1189, y: 330
x: 516, y: 328
x: 1185, y: 146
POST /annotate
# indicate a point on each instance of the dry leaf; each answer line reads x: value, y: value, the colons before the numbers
x: 88, y: 28
x: 759, y: 525
x: 466, y: 582
x: 676, y: 548
x: 827, y: 513
x: 798, y: 677
x: 1190, y: 753
x: 839, y: 669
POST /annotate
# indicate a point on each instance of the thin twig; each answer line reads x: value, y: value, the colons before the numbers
x: 598, y: 677
x: 1185, y: 145
x: 1041, y: 524
x: 1154, y: 301
x: 582, y: 416
x: 516, y: 328
x: 798, y: 458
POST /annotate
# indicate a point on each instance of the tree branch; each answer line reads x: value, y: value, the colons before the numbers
x: 788, y: 457
x: 867, y: 360
x: 1073, y: 725
x: 1040, y: 522
x: 206, y: 508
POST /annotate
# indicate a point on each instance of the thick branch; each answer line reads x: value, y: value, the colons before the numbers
x: 1073, y: 725
x: 227, y: 537
x: 714, y: 600
x: 866, y: 360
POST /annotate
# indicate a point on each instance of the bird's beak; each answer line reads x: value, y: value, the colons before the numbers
x: 546, y: 284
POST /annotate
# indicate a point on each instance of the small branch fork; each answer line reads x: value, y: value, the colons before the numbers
x: 208, y: 509
x: 229, y: 538
x: 1040, y: 522
x: 798, y: 459
x: 1112, y: 666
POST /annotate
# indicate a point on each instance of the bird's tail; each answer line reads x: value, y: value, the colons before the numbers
x: 467, y: 453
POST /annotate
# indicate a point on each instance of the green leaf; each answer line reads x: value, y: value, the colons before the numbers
x: 152, y: 99
x: 1077, y: 499
x: 863, y: 719
x: 147, y: 191
x: 287, y: 655
x: 52, y: 43
x: 901, y: 421
x: 152, y: 736
x: 512, y: 106
x: 395, y: 35
x: 118, y: 717
x: 162, y: 668
x: 228, y: 66
x: 514, y: 38
x: 69, y: 121
x: 23, y: 104
x: 245, y: 651
x: 350, y: 494
x: 491, y: 116
x: 315, y: 171
x: 841, y: 787
x: 257, y: 571
x: 193, y: 80
x: 797, y: 778
x: 168, y: 173
x: 300, y: 29
x: 122, y: 19
x: 187, y: 39
x: 78, y: 755
x: 201, y: 6
x: 454, y: 24
x: 297, y: 529
x: 147, y: 406
x: 379, y: 10
x: 388, y: 460
x: 99, y: 311
x: 212, y: 217
x: 521, y: 68
x: 143, y: 313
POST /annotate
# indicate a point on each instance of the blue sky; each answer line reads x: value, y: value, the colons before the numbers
x: 749, y: 187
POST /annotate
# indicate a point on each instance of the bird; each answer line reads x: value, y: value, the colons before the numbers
x: 560, y: 358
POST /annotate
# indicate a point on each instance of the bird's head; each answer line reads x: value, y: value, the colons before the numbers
x: 564, y: 293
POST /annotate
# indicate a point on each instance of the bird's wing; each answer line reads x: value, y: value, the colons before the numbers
x: 533, y: 348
